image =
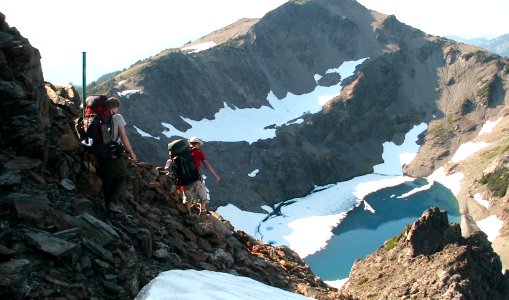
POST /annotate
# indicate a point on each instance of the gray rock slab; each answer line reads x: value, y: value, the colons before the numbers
x: 95, y: 229
x: 50, y: 244
x: 27, y: 206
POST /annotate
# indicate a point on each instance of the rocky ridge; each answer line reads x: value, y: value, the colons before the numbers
x: 499, y: 44
x: 430, y: 260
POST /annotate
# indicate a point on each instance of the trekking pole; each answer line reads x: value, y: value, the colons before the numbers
x: 84, y: 81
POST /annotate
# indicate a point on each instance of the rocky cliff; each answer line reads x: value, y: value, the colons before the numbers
x: 57, y: 241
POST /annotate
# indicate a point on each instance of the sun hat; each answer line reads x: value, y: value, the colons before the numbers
x: 195, y: 140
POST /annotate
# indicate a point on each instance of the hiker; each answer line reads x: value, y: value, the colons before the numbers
x: 113, y: 169
x: 196, y: 190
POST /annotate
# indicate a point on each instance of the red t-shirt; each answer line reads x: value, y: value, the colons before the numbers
x: 198, y: 156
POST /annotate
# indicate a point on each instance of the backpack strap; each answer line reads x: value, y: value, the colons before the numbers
x: 109, y: 121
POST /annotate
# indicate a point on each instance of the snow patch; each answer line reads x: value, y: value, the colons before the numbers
x: 491, y: 226
x: 198, y: 285
x: 253, y: 174
x: 480, y: 200
x: 144, y: 134
x: 199, y: 47
x: 129, y: 92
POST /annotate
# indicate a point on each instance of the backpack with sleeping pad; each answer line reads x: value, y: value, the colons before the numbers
x: 182, y: 169
x: 96, y: 127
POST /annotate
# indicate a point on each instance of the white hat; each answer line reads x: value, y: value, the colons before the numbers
x: 195, y: 140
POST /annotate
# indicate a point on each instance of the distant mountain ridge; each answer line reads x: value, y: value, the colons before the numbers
x: 499, y: 45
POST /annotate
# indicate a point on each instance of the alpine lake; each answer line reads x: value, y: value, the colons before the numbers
x: 364, y: 230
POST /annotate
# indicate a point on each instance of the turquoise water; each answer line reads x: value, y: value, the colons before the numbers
x: 363, y: 232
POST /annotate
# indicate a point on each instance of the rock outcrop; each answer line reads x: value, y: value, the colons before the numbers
x: 24, y: 109
x: 430, y: 260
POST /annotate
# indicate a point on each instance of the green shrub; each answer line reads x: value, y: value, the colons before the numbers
x: 453, y: 118
x: 363, y: 281
x: 485, y: 92
x: 491, y: 154
x: 439, y: 132
x: 391, y: 243
x: 497, y: 181
x: 467, y: 106
x: 480, y: 56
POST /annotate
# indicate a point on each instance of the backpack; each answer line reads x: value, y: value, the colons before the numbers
x: 97, y: 127
x: 182, y: 169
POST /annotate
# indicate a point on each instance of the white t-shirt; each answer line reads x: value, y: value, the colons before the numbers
x: 118, y: 121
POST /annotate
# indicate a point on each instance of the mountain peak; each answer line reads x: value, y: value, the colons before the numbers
x: 224, y: 34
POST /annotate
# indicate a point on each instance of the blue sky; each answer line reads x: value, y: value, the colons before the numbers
x: 116, y: 34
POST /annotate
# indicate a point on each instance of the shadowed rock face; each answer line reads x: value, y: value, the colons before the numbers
x: 430, y: 260
x: 24, y: 107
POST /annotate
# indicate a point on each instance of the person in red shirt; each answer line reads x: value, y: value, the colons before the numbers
x: 197, y: 190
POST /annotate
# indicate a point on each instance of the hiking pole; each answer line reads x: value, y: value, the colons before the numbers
x: 84, y: 81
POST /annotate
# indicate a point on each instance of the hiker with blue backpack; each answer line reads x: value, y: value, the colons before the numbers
x: 184, y: 166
